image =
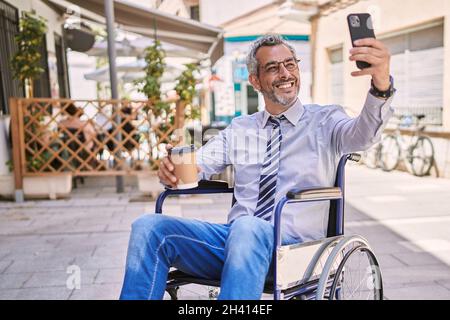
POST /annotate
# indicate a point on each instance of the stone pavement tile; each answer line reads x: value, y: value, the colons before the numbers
x: 416, y: 274
x: 29, y: 249
x: 124, y: 227
x: 4, y: 253
x: 444, y: 283
x: 52, y: 239
x: 68, y: 228
x: 423, y: 292
x: 49, y: 293
x: 352, y: 214
x: 108, y: 250
x: 13, y: 280
x: 69, y: 240
x: 58, y: 278
x: 103, y: 262
x: 417, y: 258
x: 66, y: 251
x: 94, y: 220
x: 39, y: 265
x: 75, y: 250
x: 130, y: 218
x: 30, y: 257
x: 110, y: 276
x: 108, y: 238
x: 377, y: 232
x: 13, y: 227
x: 16, y: 242
x: 389, y: 261
x: 133, y: 208
x: 110, y: 291
x: 379, y: 246
x: 5, y: 264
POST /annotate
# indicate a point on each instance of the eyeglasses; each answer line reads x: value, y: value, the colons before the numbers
x: 273, y: 67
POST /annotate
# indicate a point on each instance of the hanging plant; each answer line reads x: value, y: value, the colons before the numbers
x: 26, y: 62
x: 150, y: 85
x: 185, y: 89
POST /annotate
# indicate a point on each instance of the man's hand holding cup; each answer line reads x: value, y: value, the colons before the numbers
x: 179, y: 168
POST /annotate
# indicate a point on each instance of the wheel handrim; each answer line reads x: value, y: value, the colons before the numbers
x: 354, y: 282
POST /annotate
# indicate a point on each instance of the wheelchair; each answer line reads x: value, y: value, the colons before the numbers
x: 337, y: 267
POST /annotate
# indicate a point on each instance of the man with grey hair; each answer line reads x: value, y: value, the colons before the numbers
x: 287, y: 146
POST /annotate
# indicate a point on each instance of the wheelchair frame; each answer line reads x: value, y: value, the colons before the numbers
x: 333, y: 244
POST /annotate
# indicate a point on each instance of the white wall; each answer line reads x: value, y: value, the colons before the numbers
x: 79, y: 64
x: 216, y: 12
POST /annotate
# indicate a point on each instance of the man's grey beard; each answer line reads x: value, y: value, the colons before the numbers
x: 275, y: 98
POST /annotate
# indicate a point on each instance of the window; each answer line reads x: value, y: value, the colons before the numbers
x: 336, y: 83
x: 417, y: 67
x: 9, y: 27
x: 195, y: 12
x: 61, y: 64
x: 41, y: 85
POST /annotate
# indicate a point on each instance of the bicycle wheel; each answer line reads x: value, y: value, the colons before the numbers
x: 353, y: 271
x: 421, y: 156
x: 371, y: 157
x: 390, y: 153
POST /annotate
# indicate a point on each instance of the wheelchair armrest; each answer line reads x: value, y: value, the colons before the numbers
x: 315, y: 194
x: 204, y: 187
x: 212, y: 184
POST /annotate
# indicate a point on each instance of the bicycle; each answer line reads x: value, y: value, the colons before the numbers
x: 371, y: 157
x: 417, y: 152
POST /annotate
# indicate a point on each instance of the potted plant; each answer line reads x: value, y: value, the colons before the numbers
x: 26, y: 61
x: 185, y: 89
x: 26, y: 67
x: 150, y: 85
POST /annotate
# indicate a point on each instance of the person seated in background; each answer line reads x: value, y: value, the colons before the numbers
x: 74, y: 123
x: 81, y: 138
x: 130, y: 135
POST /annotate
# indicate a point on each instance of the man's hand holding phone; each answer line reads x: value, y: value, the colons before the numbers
x: 374, y: 52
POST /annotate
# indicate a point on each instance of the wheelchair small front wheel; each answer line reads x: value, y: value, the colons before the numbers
x: 351, y: 272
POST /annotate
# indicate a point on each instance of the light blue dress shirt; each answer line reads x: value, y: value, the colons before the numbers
x: 314, y: 139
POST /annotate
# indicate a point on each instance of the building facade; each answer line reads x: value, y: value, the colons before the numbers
x: 418, y: 36
x: 53, y: 82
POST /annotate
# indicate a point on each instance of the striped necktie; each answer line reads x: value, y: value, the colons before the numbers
x: 268, y: 178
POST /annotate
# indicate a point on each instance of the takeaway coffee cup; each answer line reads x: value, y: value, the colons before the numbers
x: 184, y: 161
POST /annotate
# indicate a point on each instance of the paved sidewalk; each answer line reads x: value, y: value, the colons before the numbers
x: 42, y: 243
x: 407, y: 221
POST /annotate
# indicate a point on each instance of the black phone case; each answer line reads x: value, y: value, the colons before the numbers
x: 365, y: 30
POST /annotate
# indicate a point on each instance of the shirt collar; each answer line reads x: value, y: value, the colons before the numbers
x: 293, y: 114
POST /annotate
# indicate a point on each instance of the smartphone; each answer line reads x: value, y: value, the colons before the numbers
x: 360, y: 26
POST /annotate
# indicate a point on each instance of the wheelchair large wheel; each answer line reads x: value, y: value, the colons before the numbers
x: 351, y: 273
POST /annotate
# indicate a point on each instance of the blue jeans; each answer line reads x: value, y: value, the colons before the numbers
x: 240, y: 254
